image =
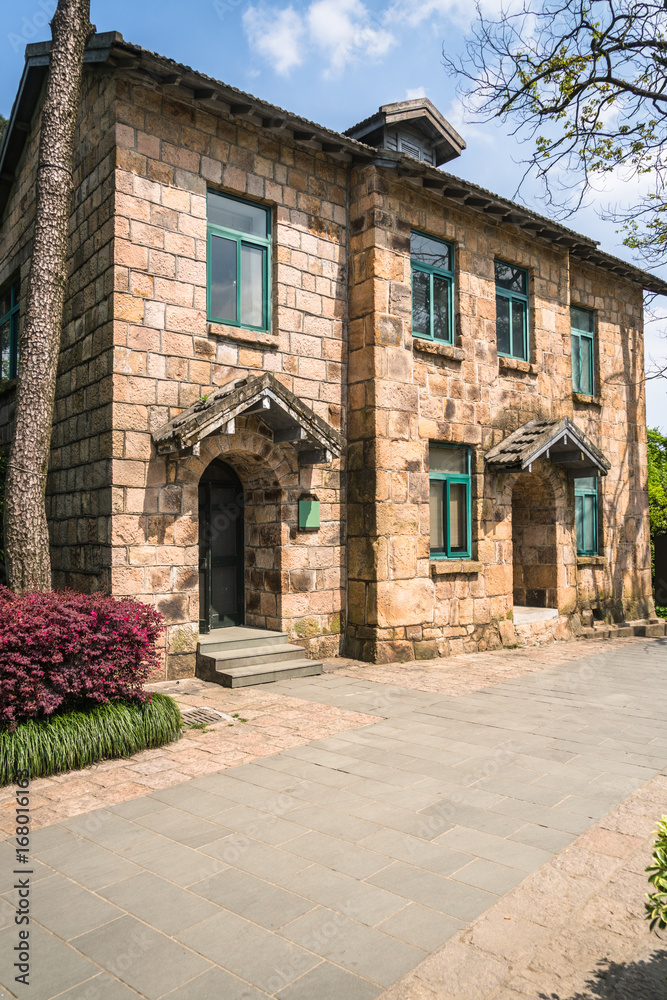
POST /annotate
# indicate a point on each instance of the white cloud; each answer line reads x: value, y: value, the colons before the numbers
x: 412, y: 93
x: 339, y: 30
x: 277, y: 35
x: 460, y: 12
x: 346, y: 28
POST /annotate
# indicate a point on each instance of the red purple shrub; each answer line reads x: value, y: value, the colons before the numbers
x: 62, y: 649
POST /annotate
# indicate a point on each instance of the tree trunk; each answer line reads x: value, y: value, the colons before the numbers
x: 27, y: 556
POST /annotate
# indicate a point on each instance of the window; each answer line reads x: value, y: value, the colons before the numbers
x: 238, y: 262
x: 582, y: 324
x: 9, y: 332
x: 432, y: 280
x: 511, y: 311
x: 449, y: 476
x: 586, y: 515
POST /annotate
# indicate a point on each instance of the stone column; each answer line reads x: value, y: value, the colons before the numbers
x: 391, y: 594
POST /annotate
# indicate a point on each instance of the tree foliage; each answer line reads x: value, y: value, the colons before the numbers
x: 656, y: 905
x: 657, y: 481
x: 3, y: 126
x: 585, y: 82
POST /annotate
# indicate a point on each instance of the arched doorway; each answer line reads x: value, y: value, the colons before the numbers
x: 534, y: 542
x: 221, y: 548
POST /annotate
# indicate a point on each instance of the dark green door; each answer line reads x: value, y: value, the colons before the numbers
x: 221, y: 543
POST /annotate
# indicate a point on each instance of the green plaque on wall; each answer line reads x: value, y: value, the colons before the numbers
x: 309, y: 513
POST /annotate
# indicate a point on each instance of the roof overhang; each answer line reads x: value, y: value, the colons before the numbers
x: 289, y: 419
x: 560, y: 441
x: 110, y: 50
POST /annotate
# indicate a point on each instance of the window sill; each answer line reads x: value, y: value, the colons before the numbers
x: 516, y: 365
x: 592, y: 561
x: 455, y: 567
x: 256, y: 338
x: 583, y: 397
x: 441, y: 350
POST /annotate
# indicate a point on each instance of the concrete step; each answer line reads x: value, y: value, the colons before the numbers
x: 652, y: 628
x: 239, y: 637
x: 253, y: 655
x: 265, y: 673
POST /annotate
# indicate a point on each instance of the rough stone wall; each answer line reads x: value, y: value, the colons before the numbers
x: 78, y: 495
x: 166, y: 356
x: 404, y: 393
x: 616, y: 585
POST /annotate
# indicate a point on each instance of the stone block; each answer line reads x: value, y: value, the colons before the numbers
x: 405, y: 602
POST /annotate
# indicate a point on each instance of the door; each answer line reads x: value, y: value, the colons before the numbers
x: 221, y: 544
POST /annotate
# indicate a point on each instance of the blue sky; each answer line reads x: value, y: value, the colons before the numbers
x: 334, y: 62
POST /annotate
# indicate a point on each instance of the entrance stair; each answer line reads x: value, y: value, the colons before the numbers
x: 241, y: 657
x: 654, y: 627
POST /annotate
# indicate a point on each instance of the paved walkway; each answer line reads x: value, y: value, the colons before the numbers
x: 331, y: 870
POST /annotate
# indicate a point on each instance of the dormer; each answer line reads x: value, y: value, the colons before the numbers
x: 414, y: 127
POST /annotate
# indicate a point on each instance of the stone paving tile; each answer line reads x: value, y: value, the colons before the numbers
x: 157, y: 902
x: 435, y: 891
x: 179, y: 864
x: 54, y: 967
x: 336, y: 854
x: 255, y: 899
x: 268, y: 961
x: 102, y: 987
x: 328, y: 982
x: 85, y: 910
x: 490, y: 876
x: 90, y: 865
x: 360, y: 900
x: 421, y: 926
x: 276, y: 721
x: 496, y: 732
x: 142, y: 958
x: 264, y: 826
x: 355, y: 947
x: 216, y: 984
x: 565, y: 936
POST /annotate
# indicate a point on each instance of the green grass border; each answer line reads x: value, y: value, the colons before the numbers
x: 72, y: 740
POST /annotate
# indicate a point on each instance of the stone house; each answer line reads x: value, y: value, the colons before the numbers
x: 312, y: 384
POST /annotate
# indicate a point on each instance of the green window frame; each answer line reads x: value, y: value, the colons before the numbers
x: 582, y: 329
x: 238, y: 262
x: 511, y: 310
x: 449, y: 501
x: 586, y: 512
x: 432, y: 267
x: 9, y: 333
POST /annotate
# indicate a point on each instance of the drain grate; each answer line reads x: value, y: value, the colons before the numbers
x: 209, y: 716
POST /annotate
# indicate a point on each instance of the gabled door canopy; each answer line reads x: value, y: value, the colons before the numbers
x: 288, y: 417
x: 561, y: 441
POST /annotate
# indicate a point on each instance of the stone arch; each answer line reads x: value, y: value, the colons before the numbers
x: 534, y: 541
x: 269, y: 476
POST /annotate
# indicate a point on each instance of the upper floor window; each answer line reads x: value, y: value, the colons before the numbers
x: 449, y: 481
x: 511, y: 310
x: 582, y: 324
x: 586, y: 515
x: 432, y: 263
x: 238, y: 262
x: 9, y: 332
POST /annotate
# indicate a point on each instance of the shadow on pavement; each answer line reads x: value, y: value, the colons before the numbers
x: 645, y: 979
